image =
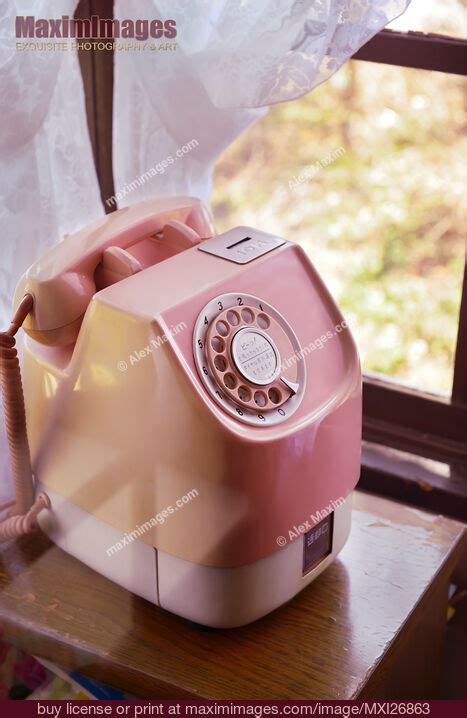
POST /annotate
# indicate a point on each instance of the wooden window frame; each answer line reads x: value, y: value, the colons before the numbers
x: 415, y: 443
x: 406, y: 430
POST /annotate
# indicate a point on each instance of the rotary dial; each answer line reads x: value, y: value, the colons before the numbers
x: 249, y: 359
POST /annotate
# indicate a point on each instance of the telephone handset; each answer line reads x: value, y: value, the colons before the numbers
x: 53, y: 295
x: 123, y: 243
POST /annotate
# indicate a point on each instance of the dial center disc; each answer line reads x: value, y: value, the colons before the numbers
x: 255, y: 356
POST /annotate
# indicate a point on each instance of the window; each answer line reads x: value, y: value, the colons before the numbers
x: 448, y: 17
x: 366, y: 174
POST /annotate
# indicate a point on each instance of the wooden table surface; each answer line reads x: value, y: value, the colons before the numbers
x: 374, y: 616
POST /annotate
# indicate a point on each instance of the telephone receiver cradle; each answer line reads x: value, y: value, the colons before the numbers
x: 113, y: 248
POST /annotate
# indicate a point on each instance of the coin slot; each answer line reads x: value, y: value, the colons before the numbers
x: 218, y: 344
x: 222, y: 328
x: 260, y: 398
x: 247, y: 315
x: 274, y: 395
x: 220, y: 363
x: 262, y: 321
x: 244, y: 393
x: 230, y: 380
x: 240, y: 241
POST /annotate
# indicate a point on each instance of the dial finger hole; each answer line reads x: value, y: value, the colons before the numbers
x: 274, y: 395
x: 222, y: 328
x: 244, y: 393
x: 220, y: 363
x: 233, y: 318
x: 230, y: 380
x: 262, y: 321
x: 218, y: 344
x: 260, y: 398
x: 247, y: 315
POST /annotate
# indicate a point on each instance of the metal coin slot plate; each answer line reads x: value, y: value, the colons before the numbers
x: 253, y: 416
x: 241, y: 244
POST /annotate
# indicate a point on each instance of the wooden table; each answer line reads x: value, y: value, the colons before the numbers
x: 371, y: 626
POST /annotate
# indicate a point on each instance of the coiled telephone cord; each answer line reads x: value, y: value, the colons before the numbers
x: 24, y: 509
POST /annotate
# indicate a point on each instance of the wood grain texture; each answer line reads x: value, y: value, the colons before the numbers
x: 433, y: 485
x: 351, y: 633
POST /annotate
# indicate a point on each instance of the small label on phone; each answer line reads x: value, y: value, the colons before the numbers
x: 317, y: 543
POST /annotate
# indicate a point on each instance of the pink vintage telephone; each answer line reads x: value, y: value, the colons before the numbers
x: 194, y: 411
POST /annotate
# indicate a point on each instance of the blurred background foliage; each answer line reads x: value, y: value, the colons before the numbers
x: 383, y: 216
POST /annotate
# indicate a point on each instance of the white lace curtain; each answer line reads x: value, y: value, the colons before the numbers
x: 233, y: 59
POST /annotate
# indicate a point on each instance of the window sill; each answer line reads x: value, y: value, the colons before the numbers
x: 436, y: 485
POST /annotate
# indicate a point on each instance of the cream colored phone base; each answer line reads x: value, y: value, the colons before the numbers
x: 218, y: 597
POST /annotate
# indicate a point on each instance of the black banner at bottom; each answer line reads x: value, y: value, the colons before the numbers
x: 226, y: 708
